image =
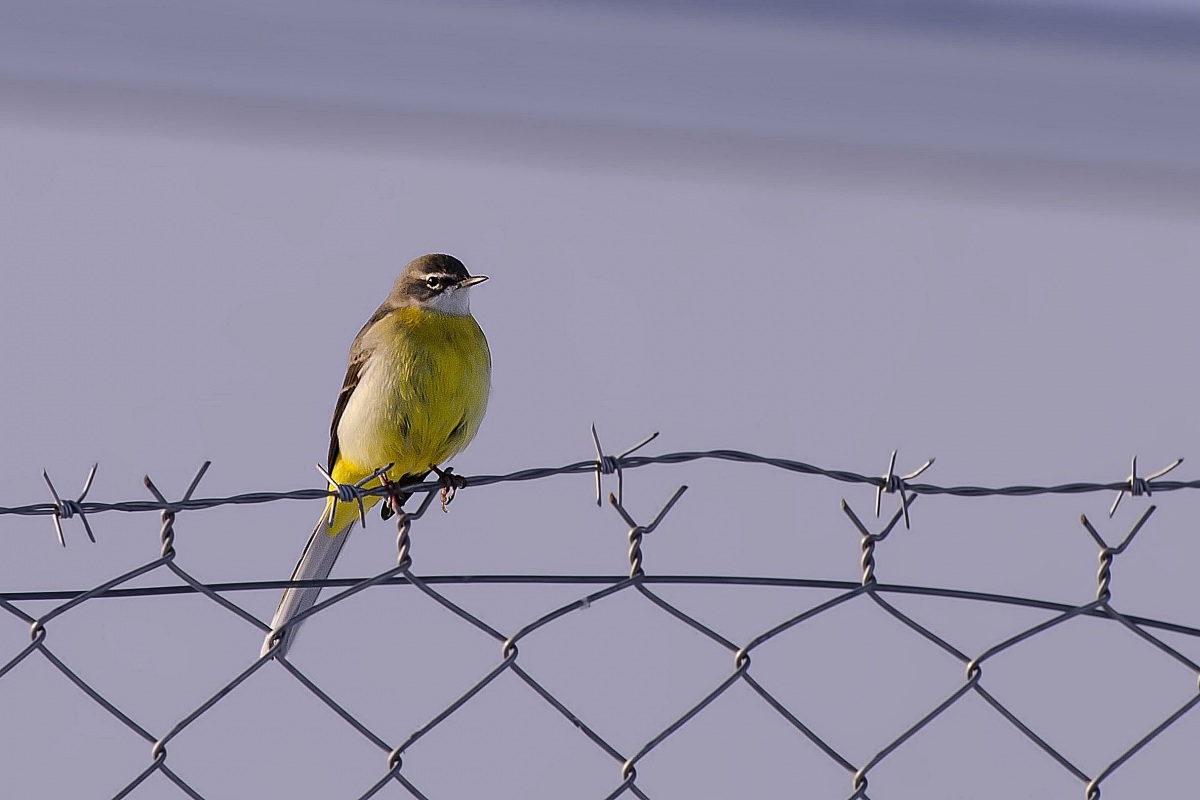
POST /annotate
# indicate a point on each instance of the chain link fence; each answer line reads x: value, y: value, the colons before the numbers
x: 630, y: 764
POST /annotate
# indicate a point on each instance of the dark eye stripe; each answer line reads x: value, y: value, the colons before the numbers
x: 429, y: 285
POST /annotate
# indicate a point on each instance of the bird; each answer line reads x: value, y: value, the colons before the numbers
x: 416, y: 389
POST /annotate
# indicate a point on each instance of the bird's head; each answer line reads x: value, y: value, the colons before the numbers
x: 437, y: 282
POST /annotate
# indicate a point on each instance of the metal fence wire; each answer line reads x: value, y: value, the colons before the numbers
x: 394, y: 772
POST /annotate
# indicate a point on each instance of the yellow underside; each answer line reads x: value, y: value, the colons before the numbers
x: 419, y: 401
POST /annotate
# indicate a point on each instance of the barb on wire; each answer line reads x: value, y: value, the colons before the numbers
x: 893, y: 483
x: 607, y: 465
x: 65, y: 509
x: 1136, y: 487
x: 350, y: 493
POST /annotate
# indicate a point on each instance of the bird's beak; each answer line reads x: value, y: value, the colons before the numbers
x: 471, y: 281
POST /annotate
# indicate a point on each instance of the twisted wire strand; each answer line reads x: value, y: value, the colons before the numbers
x: 611, y: 463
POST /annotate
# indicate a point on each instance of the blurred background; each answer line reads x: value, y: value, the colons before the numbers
x: 813, y: 230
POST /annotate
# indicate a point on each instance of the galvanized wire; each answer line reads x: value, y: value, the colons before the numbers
x: 888, y: 482
x: 636, y: 583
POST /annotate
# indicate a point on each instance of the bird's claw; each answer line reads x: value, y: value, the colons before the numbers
x: 393, y: 500
x: 451, y: 483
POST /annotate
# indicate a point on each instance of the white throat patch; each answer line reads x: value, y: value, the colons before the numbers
x: 454, y: 301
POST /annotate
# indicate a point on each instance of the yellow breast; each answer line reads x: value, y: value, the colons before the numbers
x: 421, y: 395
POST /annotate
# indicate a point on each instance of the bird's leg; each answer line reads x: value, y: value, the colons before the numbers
x: 451, y: 483
x: 394, y: 499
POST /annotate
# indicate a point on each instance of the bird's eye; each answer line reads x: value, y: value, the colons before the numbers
x: 433, y: 282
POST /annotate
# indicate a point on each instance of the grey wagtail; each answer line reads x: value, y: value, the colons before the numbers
x: 416, y: 389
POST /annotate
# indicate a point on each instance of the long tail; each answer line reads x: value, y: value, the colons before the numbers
x: 315, y: 564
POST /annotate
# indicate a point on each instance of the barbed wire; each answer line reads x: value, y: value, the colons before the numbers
x: 636, y: 582
x: 889, y: 482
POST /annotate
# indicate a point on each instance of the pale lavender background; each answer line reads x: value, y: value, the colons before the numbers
x: 802, y: 233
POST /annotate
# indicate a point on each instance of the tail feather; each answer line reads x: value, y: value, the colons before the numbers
x: 316, y: 563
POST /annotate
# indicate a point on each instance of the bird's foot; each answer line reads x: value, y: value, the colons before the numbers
x: 451, y: 483
x: 393, y: 500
